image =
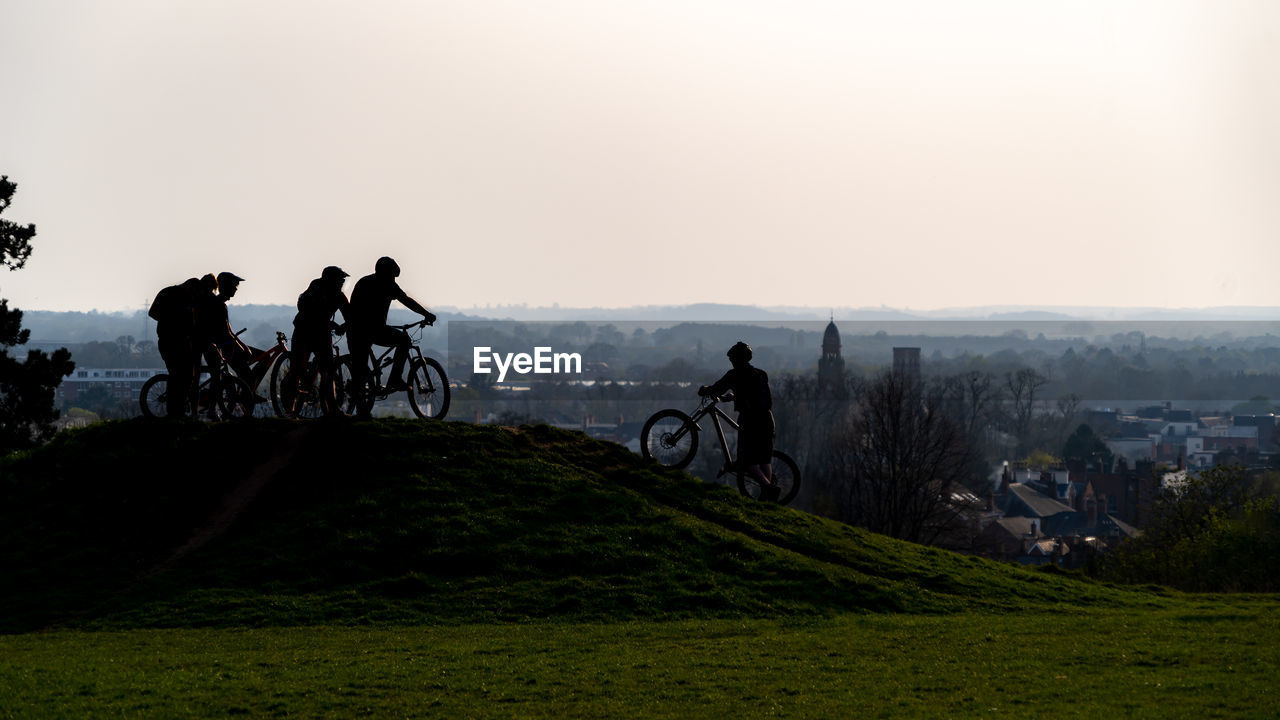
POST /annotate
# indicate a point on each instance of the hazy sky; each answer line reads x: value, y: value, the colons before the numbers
x: 907, y: 153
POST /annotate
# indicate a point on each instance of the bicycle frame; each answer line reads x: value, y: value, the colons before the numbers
x: 712, y: 407
x: 262, y: 362
x: 380, y: 361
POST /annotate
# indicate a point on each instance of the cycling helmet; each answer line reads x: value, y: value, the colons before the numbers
x: 387, y: 266
x: 333, y: 272
x: 228, y: 277
x: 740, y: 351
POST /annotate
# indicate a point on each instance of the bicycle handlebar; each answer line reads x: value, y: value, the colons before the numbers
x: 420, y: 323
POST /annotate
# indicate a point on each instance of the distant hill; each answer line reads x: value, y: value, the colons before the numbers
x: 262, y: 321
x: 147, y: 524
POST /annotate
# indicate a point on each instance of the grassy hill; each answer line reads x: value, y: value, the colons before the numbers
x: 397, y: 522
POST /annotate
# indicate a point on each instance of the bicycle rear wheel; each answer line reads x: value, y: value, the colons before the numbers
x: 670, y: 438
x: 428, y: 389
x: 154, y: 398
x: 786, y: 475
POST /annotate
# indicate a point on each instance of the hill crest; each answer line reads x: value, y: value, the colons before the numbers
x: 406, y: 522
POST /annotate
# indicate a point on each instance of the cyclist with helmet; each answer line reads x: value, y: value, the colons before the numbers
x: 754, y: 403
x: 367, y: 324
x: 215, y: 325
x: 316, y: 308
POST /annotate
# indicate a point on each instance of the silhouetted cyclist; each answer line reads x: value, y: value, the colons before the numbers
x: 754, y: 403
x: 316, y: 307
x: 215, y: 325
x: 367, y: 324
x: 174, y: 310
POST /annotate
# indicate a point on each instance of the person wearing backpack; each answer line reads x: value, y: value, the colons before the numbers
x: 174, y: 310
x: 754, y: 403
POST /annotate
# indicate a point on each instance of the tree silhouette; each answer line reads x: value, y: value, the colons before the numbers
x: 900, y: 459
x: 26, y: 387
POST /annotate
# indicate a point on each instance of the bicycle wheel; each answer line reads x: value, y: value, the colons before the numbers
x: 428, y: 389
x: 301, y: 396
x: 154, y: 399
x: 670, y: 438
x: 345, y: 394
x: 279, y: 371
x: 786, y: 475
x: 235, y: 399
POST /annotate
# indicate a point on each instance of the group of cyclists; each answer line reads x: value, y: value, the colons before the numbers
x: 192, y: 323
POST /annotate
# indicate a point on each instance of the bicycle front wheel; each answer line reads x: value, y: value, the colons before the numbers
x: 235, y: 399
x: 786, y: 475
x: 281, y: 371
x: 354, y: 397
x: 428, y: 389
x: 670, y: 438
x: 154, y: 398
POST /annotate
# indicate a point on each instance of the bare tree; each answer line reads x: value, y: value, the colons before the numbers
x: 899, y: 459
x: 1023, y: 386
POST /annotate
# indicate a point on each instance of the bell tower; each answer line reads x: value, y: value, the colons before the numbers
x: 831, y: 364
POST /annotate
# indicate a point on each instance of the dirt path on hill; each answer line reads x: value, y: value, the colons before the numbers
x: 235, y: 502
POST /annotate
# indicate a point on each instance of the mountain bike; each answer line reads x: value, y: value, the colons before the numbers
x: 671, y: 438
x: 428, y: 389
x: 314, y: 392
x: 265, y: 364
x: 217, y: 394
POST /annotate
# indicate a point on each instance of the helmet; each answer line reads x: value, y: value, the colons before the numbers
x: 740, y: 351
x: 387, y: 266
x: 333, y: 272
x: 227, y: 277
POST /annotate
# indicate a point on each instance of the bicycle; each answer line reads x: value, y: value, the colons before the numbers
x: 428, y: 384
x: 217, y: 394
x: 314, y: 393
x: 265, y: 364
x: 670, y: 437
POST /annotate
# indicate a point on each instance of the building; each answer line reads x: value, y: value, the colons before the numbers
x: 906, y: 361
x: 831, y: 364
x: 123, y: 384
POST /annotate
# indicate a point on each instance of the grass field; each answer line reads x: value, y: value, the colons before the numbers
x: 402, y: 569
x: 1207, y: 659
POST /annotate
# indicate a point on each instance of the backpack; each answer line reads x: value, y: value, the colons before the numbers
x: 753, y: 393
x: 168, y: 303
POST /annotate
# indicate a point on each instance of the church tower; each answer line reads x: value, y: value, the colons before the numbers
x: 831, y: 364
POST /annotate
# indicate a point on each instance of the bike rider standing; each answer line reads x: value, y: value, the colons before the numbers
x: 754, y: 403
x: 174, y: 311
x: 367, y: 325
x: 316, y: 307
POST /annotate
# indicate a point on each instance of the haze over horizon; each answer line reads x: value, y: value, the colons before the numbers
x: 921, y: 154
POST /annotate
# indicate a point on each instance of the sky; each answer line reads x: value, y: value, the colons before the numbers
x: 917, y: 154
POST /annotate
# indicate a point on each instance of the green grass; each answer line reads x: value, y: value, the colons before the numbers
x: 1205, y: 659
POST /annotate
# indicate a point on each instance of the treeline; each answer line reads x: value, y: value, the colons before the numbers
x: 1218, y: 531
